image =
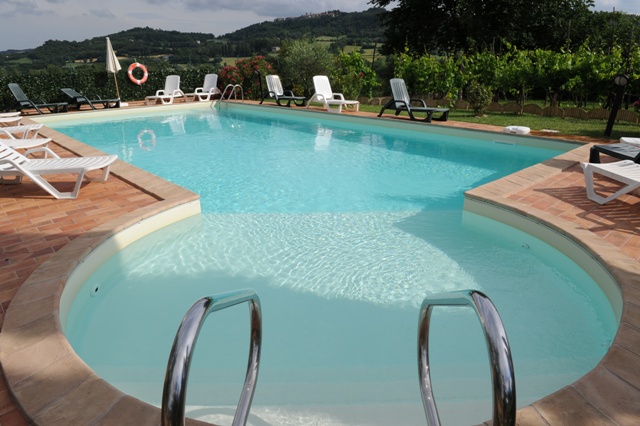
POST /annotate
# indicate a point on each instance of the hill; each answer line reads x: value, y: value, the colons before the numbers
x: 355, y: 28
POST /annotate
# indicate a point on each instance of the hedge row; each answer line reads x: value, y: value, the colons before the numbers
x: 94, y: 81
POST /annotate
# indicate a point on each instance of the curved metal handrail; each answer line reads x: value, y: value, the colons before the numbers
x: 234, y: 91
x: 174, y: 393
x: 502, y: 374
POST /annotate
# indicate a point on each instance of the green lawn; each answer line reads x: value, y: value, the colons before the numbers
x: 571, y: 126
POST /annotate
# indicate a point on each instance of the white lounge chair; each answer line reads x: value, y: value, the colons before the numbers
x: 402, y: 102
x: 18, y: 165
x: 27, y: 143
x: 10, y: 121
x: 169, y: 93
x: 626, y: 172
x: 27, y: 136
x: 275, y: 91
x: 209, y: 88
x: 24, y: 131
x: 325, y: 95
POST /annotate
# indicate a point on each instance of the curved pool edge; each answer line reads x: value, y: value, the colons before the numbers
x: 52, y: 385
x: 608, y: 394
x: 48, y: 381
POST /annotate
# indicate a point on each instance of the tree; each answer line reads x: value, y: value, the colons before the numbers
x: 301, y: 60
x: 353, y: 76
x: 473, y: 25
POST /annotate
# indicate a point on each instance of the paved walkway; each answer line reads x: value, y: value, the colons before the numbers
x: 35, y: 228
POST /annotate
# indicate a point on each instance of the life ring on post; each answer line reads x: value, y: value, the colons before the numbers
x: 147, y: 145
x: 145, y: 73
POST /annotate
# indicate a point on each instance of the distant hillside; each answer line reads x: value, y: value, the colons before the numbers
x: 355, y: 28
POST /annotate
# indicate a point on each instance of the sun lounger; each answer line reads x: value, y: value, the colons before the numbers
x: 27, y: 143
x: 207, y: 91
x: 626, y: 172
x: 79, y: 100
x: 626, y: 149
x: 402, y: 102
x: 17, y: 165
x: 276, y: 92
x: 24, y: 131
x: 169, y: 93
x: 22, y: 102
x: 325, y: 95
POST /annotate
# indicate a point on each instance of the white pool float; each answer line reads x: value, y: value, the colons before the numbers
x: 518, y: 130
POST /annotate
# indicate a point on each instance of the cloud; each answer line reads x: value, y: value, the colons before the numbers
x: 102, y: 13
x: 11, y: 8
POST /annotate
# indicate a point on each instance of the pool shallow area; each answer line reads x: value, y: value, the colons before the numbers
x: 341, y: 280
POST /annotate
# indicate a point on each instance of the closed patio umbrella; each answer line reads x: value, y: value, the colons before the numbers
x: 113, y: 65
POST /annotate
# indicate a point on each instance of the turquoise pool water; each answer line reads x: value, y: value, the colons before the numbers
x: 342, y: 228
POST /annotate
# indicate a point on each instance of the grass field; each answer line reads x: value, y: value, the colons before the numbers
x: 570, y: 126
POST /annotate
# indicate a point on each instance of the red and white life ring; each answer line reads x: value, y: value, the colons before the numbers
x: 147, y: 145
x: 145, y: 73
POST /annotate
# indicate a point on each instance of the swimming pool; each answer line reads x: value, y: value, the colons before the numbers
x: 392, y: 246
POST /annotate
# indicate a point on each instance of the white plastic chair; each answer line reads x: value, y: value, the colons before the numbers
x: 24, y: 131
x: 626, y: 172
x: 18, y: 165
x: 325, y: 95
x: 23, y: 137
x: 169, y: 93
x: 402, y: 102
x: 209, y: 88
x: 275, y: 91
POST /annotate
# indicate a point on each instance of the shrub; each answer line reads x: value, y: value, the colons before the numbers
x: 244, y: 74
x: 479, y: 97
x: 352, y: 76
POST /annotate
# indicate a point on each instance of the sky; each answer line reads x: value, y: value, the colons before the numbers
x: 28, y: 24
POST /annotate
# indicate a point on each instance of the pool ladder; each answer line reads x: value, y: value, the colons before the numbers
x: 502, y: 374
x: 174, y: 393
x: 232, y: 89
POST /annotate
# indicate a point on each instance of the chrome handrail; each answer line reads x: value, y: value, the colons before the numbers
x: 174, y: 393
x: 502, y: 373
x: 233, y: 91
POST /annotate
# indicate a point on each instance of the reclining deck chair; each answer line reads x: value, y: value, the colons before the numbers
x: 22, y: 131
x: 275, y: 90
x: 626, y: 172
x: 325, y: 95
x: 23, y: 102
x: 209, y: 88
x: 18, y: 165
x: 402, y: 102
x: 79, y: 100
x: 626, y: 149
x: 169, y: 93
x: 23, y: 137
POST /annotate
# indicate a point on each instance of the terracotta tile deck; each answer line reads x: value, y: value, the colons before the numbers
x: 42, y: 240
